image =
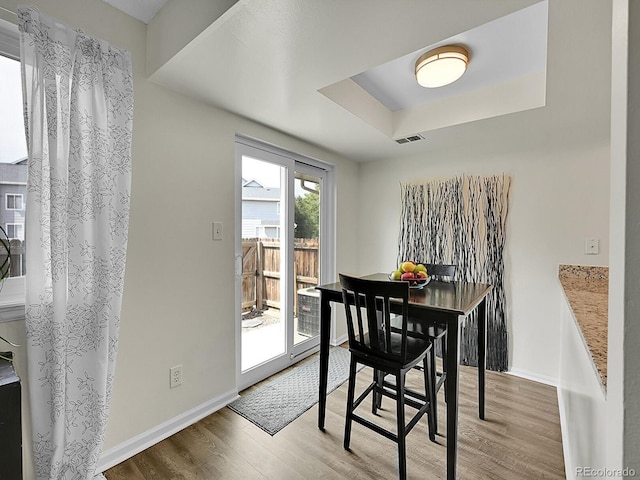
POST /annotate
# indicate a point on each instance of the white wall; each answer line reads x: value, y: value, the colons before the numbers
x: 178, y: 300
x: 558, y: 157
x: 547, y: 226
x: 623, y: 408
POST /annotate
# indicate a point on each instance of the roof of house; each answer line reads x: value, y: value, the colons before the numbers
x: 252, y: 190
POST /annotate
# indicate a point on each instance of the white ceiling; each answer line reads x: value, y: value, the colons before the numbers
x: 273, y: 62
x: 509, y: 47
x: 143, y: 10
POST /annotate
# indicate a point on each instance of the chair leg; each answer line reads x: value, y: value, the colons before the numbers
x: 433, y: 378
x: 402, y: 445
x: 432, y: 414
x: 443, y: 350
x: 378, y: 377
x: 350, y: 397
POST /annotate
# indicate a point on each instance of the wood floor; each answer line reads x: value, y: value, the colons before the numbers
x: 519, y: 440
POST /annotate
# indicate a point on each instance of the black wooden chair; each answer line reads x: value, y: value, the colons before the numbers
x: 372, y: 343
x: 439, y: 272
x: 434, y: 333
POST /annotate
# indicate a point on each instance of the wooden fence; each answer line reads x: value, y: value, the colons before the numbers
x: 17, y: 264
x: 261, y: 270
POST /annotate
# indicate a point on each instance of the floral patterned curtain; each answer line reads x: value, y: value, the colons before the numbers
x: 78, y: 115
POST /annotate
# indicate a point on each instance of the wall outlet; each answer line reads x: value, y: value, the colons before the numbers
x: 591, y: 246
x: 175, y: 376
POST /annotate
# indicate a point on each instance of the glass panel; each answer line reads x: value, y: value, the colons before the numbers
x: 13, y: 144
x: 13, y: 162
x: 306, y: 257
x: 263, y: 292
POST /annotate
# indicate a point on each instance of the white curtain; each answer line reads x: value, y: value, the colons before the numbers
x: 78, y: 114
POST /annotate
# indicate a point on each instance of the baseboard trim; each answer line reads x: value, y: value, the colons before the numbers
x: 137, y: 444
x: 340, y: 340
x: 533, y: 376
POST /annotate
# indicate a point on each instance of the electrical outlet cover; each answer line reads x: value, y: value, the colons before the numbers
x: 175, y: 376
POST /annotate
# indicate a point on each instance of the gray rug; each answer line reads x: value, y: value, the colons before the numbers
x: 278, y: 402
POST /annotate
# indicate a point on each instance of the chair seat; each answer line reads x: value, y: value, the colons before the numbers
x: 416, y: 347
x: 432, y: 333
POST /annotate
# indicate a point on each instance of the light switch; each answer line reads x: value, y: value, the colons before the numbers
x: 217, y: 230
x: 591, y: 246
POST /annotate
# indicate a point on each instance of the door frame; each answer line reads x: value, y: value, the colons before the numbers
x: 243, y: 146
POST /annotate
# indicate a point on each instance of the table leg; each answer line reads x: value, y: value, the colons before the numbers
x: 325, y: 329
x: 451, y: 388
x: 482, y: 349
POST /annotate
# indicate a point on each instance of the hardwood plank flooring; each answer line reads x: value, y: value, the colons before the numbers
x: 520, y: 439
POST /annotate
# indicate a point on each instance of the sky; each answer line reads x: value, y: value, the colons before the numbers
x: 267, y: 174
x: 12, y: 139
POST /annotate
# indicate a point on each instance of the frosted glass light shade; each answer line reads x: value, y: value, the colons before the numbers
x: 441, y: 66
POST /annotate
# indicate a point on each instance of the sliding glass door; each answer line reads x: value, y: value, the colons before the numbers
x: 281, y: 212
x: 264, y: 260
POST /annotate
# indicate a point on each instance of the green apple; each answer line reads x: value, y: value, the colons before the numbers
x: 396, y: 274
x: 420, y: 268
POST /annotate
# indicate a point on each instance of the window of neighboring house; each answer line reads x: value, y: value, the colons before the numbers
x: 13, y: 169
x: 14, y: 201
x: 271, y: 232
x: 15, y: 231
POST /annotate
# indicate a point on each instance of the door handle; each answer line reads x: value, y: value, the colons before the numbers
x: 238, y: 266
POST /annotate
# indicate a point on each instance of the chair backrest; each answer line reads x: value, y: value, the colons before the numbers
x: 370, y: 330
x: 439, y: 271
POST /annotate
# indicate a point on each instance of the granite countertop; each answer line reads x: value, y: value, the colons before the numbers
x: 587, y: 290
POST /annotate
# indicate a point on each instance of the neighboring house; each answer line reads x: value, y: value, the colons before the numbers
x: 13, y: 195
x: 260, y: 210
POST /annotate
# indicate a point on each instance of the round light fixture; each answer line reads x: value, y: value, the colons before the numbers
x: 441, y: 66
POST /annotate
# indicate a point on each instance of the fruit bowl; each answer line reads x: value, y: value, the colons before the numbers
x: 409, y: 271
x: 413, y: 283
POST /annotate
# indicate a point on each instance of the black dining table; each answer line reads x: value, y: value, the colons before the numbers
x: 439, y: 303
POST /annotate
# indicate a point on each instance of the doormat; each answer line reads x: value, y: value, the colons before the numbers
x: 278, y: 402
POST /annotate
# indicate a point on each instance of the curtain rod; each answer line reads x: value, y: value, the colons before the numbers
x: 9, y: 11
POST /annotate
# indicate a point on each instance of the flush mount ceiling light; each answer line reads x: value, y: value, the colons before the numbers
x: 441, y: 66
